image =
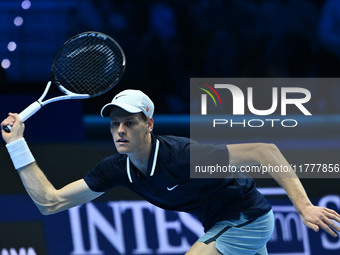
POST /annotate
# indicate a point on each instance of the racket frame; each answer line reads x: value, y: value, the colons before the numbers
x: 36, y: 106
x: 94, y: 34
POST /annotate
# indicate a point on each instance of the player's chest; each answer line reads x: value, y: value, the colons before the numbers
x: 172, y: 186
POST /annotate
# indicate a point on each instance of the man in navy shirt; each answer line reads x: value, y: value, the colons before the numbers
x: 236, y: 217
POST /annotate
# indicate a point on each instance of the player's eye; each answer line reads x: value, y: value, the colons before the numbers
x: 129, y: 123
x: 114, y: 124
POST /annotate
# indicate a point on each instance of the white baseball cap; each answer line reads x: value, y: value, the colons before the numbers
x: 132, y: 101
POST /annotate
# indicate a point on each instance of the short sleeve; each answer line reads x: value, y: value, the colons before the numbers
x: 209, y: 153
x: 206, y: 158
x: 105, y: 175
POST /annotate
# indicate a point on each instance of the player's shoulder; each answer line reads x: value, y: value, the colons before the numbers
x: 172, y: 142
x: 171, y: 148
x: 171, y: 139
x: 115, y: 160
x: 183, y: 143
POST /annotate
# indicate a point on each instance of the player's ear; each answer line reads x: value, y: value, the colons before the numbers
x: 150, y: 123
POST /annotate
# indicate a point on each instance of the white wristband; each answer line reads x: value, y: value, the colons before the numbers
x: 20, y: 153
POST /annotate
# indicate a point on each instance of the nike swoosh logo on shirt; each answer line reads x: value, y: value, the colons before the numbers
x: 172, y: 188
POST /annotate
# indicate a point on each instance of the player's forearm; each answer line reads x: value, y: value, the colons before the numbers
x: 37, y: 185
x: 294, y: 190
x: 287, y: 180
x: 46, y: 197
x: 39, y: 188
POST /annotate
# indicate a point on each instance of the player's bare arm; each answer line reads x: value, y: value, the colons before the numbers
x: 48, y: 199
x: 313, y: 217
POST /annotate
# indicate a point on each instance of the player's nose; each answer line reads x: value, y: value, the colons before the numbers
x: 121, y: 129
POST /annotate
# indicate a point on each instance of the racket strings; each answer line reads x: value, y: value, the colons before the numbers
x: 89, y: 65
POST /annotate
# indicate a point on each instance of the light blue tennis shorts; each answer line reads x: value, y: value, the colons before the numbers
x: 243, y: 236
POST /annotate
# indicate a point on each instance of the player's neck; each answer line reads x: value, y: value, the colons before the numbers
x: 140, y: 159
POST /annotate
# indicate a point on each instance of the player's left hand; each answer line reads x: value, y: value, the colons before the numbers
x: 315, y: 217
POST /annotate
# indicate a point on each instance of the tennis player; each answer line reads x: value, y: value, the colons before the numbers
x: 236, y: 217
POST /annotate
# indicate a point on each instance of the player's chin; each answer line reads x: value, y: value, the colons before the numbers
x: 122, y: 149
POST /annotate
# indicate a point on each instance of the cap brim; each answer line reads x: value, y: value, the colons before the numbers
x: 106, y: 110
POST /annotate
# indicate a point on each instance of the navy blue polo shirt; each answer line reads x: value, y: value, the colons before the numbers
x: 168, y: 185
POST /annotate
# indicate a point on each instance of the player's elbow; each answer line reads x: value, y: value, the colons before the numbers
x: 50, y: 205
x: 267, y: 151
x: 269, y: 147
x: 47, y: 209
x: 44, y: 211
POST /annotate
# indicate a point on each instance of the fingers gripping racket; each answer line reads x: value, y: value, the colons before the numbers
x: 88, y: 65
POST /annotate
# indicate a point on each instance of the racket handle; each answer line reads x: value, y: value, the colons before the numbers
x: 25, y: 114
x: 30, y: 110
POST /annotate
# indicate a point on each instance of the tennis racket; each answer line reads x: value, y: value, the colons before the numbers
x: 87, y: 65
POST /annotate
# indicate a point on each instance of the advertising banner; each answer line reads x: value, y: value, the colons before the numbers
x: 137, y: 227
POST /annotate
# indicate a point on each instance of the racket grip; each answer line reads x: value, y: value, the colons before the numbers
x: 30, y: 110
x: 25, y: 114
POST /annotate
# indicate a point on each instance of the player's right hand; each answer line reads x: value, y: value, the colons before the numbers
x: 17, y: 128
